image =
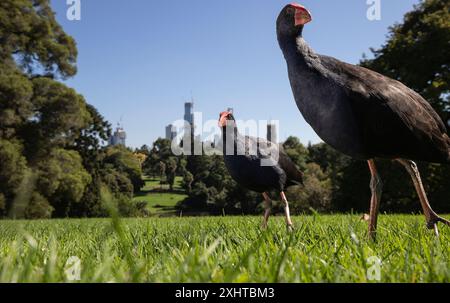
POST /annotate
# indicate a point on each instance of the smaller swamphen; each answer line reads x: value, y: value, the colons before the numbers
x: 258, y: 165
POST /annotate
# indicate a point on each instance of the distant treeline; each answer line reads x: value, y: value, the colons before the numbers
x: 333, y: 182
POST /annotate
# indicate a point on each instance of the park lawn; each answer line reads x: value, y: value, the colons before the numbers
x: 322, y: 248
x: 154, y: 184
x: 160, y: 201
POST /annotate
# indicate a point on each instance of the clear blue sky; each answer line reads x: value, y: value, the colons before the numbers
x: 141, y: 59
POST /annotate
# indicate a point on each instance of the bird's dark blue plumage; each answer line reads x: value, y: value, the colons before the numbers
x: 257, y: 164
x: 362, y: 113
x: 358, y: 111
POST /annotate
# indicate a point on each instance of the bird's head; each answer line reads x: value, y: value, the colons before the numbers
x: 224, y: 118
x: 292, y: 19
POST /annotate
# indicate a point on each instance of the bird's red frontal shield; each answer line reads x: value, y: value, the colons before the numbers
x: 223, y: 118
x: 302, y: 15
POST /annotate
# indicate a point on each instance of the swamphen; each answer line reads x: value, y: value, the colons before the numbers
x: 362, y: 113
x: 258, y: 165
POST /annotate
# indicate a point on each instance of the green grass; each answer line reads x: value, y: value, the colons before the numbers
x: 160, y: 201
x: 223, y: 249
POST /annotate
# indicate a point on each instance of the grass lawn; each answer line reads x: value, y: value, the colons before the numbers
x: 160, y: 201
x: 223, y: 249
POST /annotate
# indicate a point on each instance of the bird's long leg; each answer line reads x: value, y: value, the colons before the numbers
x: 287, y: 212
x: 268, y: 208
x: 431, y: 217
x: 376, y: 186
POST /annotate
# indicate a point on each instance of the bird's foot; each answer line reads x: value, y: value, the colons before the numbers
x: 372, y: 236
x: 434, y: 220
x: 290, y: 228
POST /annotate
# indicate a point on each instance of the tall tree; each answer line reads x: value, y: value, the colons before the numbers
x: 51, y: 155
x: 32, y: 39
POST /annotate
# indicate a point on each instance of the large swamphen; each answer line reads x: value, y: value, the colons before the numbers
x: 258, y: 165
x: 362, y: 113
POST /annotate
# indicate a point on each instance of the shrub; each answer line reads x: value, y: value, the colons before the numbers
x: 38, y: 208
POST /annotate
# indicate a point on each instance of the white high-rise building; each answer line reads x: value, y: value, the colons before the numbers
x: 119, y: 137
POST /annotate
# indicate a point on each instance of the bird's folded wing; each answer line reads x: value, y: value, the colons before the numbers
x: 275, y: 153
x: 261, y: 148
x: 389, y: 98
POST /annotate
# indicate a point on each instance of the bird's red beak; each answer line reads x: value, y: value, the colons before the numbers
x: 223, y: 118
x: 302, y: 15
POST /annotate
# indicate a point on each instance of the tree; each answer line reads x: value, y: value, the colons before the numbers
x: 316, y: 193
x: 123, y: 160
x: 330, y: 160
x: 296, y: 151
x: 89, y: 140
x: 32, y: 39
x: 59, y: 115
x: 52, y: 162
x: 160, y: 152
x: 144, y: 149
x: 38, y: 208
x: 162, y: 170
x: 142, y: 154
x: 118, y: 183
x: 188, y: 179
x: 62, y: 180
x: 171, y: 168
x: 13, y: 168
x: 15, y: 99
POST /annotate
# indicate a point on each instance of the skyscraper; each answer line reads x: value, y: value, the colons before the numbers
x: 171, y: 132
x: 189, y: 112
x: 272, y: 135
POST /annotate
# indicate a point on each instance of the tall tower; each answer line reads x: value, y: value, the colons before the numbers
x: 272, y: 135
x: 189, y: 112
x: 171, y: 132
x: 189, y: 128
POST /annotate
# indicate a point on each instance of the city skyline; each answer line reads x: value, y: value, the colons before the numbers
x: 270, y: 129
x: 142, y: 60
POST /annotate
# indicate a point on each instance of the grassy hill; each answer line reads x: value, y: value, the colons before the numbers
x: 160, y: 201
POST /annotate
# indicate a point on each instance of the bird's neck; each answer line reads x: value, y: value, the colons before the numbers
x: 229, y: 139
x: 293, y: 45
